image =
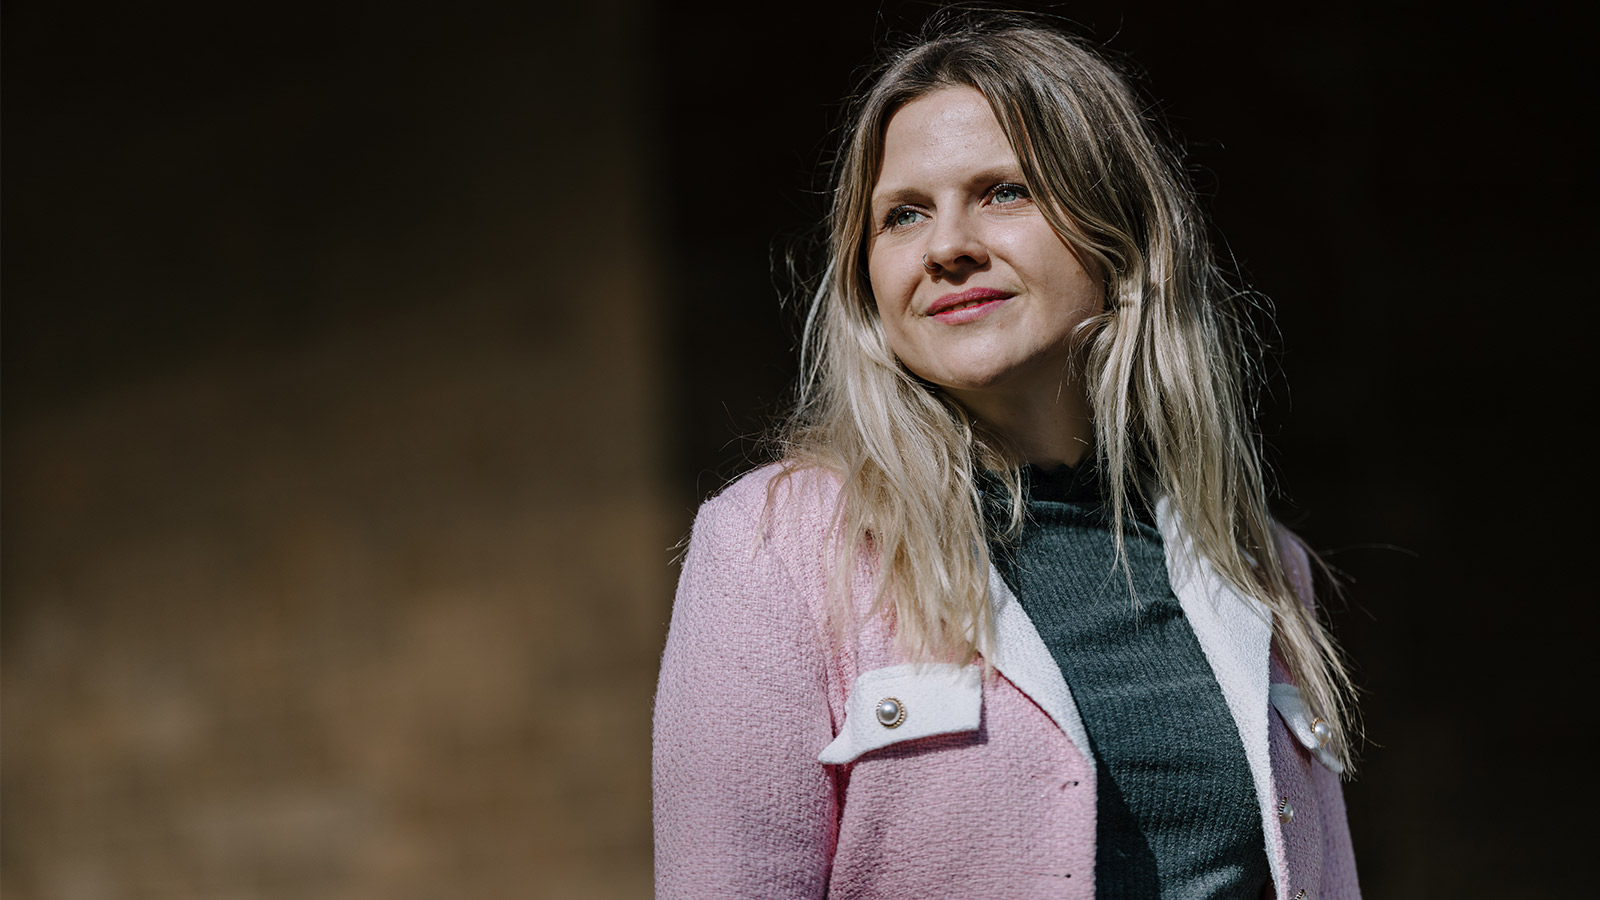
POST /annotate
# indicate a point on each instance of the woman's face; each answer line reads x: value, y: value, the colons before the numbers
x: 990, y: 315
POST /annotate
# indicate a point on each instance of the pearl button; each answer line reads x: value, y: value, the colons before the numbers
x: 890, y: 713
x: 1321, y: 731
x: 1285, y: 811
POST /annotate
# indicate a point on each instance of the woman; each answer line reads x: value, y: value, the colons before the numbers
x: 1010, y: 618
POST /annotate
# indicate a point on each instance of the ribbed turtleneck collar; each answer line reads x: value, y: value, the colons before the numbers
x: 1078, y: 485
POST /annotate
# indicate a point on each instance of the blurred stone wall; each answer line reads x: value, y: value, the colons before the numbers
x: 355, y: 588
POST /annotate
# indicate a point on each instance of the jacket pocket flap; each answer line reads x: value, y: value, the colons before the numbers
x: 902, y: 703
x: 1291, y: 706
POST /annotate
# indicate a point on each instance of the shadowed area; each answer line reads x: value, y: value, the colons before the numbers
x: 336, y: 552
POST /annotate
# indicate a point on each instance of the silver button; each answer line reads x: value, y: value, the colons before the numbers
x: 1285, y: 811
x: 891, y: 712
x: 1321, y: 731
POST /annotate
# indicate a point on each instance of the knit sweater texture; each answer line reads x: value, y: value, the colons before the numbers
x: 1178, y: 815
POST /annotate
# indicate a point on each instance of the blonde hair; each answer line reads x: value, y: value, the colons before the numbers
x: 1163, y: 365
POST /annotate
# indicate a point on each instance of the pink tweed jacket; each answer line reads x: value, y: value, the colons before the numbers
x: 778, y: 775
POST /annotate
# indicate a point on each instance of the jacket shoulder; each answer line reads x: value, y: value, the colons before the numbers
x: 785, y: 506
x: 1296, y: 562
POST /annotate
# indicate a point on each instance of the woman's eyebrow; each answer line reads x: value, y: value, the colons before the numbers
x: 989, y: 177
x: 983, y: 179
x: 897, y: 196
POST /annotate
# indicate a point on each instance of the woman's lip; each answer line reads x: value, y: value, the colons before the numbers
x: 974, y: 300
x: 960, y: 315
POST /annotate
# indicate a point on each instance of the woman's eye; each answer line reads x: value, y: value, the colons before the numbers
x: 1009, y: 193
x: 902, y: 216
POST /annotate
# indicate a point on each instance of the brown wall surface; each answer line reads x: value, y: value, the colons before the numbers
x: 336, y: 562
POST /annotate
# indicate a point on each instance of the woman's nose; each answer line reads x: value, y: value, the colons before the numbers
x: 955, y: 244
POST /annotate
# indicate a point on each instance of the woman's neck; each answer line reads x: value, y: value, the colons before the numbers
x: 1047, y: 430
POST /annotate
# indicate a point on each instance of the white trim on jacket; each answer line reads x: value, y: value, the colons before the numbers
x: 1234, y: 632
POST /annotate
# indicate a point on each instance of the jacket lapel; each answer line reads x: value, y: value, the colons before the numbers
x: 1235, y: 633
x: 1022, y: 657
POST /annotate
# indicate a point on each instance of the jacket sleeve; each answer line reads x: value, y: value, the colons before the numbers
x: 1339, y: 880
x: 742, y: 807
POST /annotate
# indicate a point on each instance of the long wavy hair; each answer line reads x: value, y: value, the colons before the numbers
x: 1167, y: 366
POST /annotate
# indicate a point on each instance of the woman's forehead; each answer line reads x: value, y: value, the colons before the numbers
x: 948, y: 137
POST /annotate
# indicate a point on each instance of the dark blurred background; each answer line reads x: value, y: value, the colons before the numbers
x: 363, y: 366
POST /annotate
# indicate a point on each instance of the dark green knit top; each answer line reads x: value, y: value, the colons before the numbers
x: 1177, y: 811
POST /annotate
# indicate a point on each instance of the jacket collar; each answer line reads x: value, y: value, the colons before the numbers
x: 1235, y: 633
x: 1022, y: 657
x: 1233, y: 630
